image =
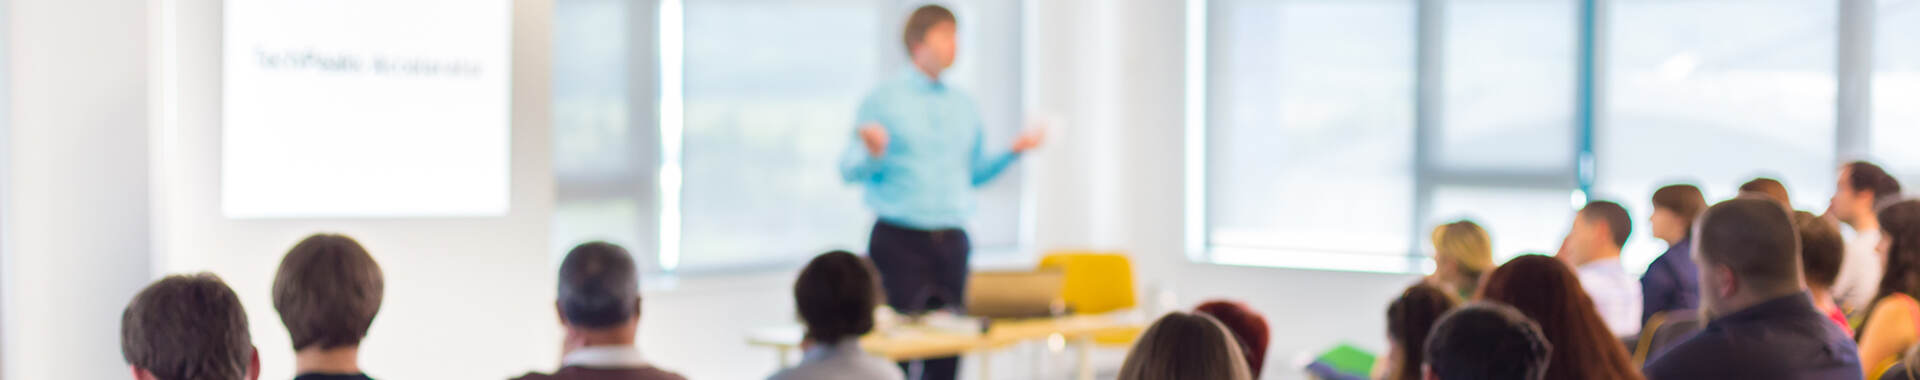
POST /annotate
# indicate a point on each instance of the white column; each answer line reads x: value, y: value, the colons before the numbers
x: 1853, y: 70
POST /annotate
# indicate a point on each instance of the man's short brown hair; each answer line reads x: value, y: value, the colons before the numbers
x: 1755, y: 238
x: 1821, y: 249
x: 327, y: 292
x: 1770, y: 188
x: 922, y: 20
x: 187, y: 327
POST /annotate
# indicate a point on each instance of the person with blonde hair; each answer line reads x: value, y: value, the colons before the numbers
x: 1462, y: 253
x: 1184, y: 346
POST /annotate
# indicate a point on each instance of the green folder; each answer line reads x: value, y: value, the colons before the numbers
x: 1348, y: 360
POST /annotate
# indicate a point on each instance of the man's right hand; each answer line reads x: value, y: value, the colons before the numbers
x: 875, y: 136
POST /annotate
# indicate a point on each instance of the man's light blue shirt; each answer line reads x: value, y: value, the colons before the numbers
x: 935, y: 155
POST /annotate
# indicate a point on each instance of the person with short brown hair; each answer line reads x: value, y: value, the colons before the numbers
x: 599, y: 306
x: 1862, y: 189
x: 1821, y: 250
x: 1592, y: 248
x: 919, y: 149
x: 1672, y: 283
x: 327, y: 291
x: 1761, y: 324
x: 836, y: 295
x: 1183, y: 346
x: 1767, y: 188
x: 188, y: 327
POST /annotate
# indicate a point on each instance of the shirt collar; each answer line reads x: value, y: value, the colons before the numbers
x: 1801, y: 303
x: 820, y: 352
x: 921, y: 80
x: 606, y: 357
x: 1609, y: 265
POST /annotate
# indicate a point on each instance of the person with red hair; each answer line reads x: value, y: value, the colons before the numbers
x: 1248, y: 327
x: 1547, y: 291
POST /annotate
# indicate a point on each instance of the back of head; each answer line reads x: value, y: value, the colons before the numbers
x: 599, y: 286
x: 1865, y: 176
x: 1756, y: 240
x: 1182, y: 346
x: 1490, y: 341
x: 1248, y: 327
x: 1900, y: 224
x: 1684, y: 200
x: 1409, y: 319
x: 187, y: 328
x: 1548, y: 292
x: 1610, y: 214
x: 922, y: 20
x: 836, y: 295
x: 327, y: 291
x: 1465, y: 243
x: 1821, y: 249
x: 1769, y: 188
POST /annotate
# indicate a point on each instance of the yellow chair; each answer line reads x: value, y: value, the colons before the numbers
x: 1096, y: 283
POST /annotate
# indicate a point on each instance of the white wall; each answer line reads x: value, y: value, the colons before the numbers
x: 74, y: 242
x: 466, y: 298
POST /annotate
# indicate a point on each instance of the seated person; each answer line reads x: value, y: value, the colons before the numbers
x: 1548, y: 292
x: 188, y: 327
x: 327, y: 291
x: 1592, y: 248
x: 1761, y: 324
x: 1185, y: 346
x: 1248, y: 327
x: 1486, y: 341
x: 1821, y: 250
x: 1409, y: 319
x: 1893, y: 322
x: 836, y: 296
x: 599, y: 304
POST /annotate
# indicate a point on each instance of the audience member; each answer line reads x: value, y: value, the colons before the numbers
x: 188, y: 327
x: 1671, y: 283
x: 1462, y: 253
x: 1486, y: 341
x: 1862, y: 187
x: 1767, y: 188
x: 1892, y: 321
x: 1821, y: 250
x: 1248, y: 327
x: 1409, y: 318
x: 1185, y: 346
x: 836, y: 296
x: 1761, y: 323
x: 1550, y: 294
x: 599, y: 305
x: 1592, y: 247
x: 328, y: 290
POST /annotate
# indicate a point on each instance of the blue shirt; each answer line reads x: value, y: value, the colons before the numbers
x: 1672, y: 282
x: 934, y: 157
x: 843, y: 361
x: 1783, y: 338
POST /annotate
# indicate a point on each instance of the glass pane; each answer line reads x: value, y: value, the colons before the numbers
x: 1716, y: 93
x: 1520, y: 221
x: 989, y: 67
x: 592, y: 133
x: 1509, y: 85
x: 616, y: 221
x: 1896, y: 87
x: 1310, y: 137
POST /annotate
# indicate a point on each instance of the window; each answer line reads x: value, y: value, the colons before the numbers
x: 710, y: 129
x: 1509, y: 99
x: 1715, y: 93
x: 1896, y: 86
x: 1309, y: 138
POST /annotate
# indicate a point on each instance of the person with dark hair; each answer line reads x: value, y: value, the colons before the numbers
x: 1821, y: 250
x: 1767, y: 188
x: 1761, y: 324
x: 919, y: 150
x: 188, y: 327
x: 1248, y: 327
x: 1861, y: 189
x: 1409, y: 319
x: 1549, y: 293
x: 836, y: 295
x: 599, y: 305
x: 1183, y: 346
x: 1487, y: 341
x: 1592, y: 247
x: 1672, y: 282
x: 1893, y: 322
x: 328, y: 290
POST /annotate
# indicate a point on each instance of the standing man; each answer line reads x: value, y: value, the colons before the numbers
x: 919, y: 152
x: 1862, y: 187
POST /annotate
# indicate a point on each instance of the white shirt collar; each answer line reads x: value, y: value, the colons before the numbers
x: 605, y: 357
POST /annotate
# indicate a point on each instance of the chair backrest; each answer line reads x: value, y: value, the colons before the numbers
x: 1662, y: 331
x: 1096, y: 282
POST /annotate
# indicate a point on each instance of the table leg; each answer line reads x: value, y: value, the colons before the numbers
x: 785, y: 361
x: 1086, y: 357
x: 986, y: 365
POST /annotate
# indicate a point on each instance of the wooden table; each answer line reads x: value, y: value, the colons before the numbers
x: 914, y: 342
